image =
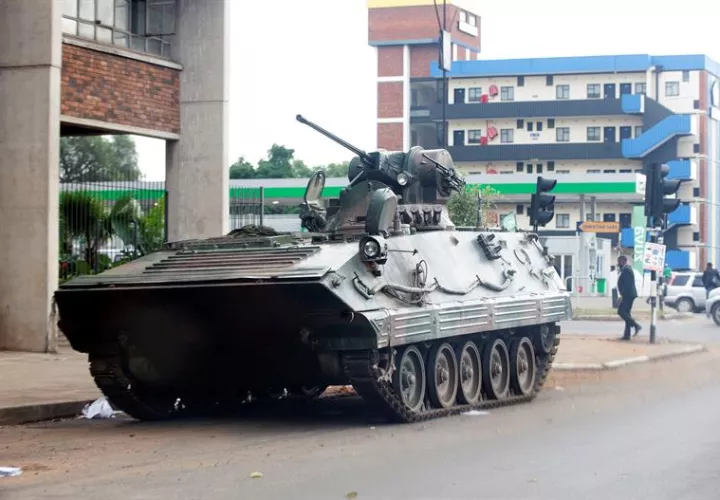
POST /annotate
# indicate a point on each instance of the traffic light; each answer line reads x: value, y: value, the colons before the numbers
x: 656, y: 188
x: 542, y: 206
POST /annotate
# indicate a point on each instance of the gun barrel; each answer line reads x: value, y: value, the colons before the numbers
x: 359, y: 152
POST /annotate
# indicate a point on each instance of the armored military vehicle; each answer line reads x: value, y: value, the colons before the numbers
x: 381, y: 291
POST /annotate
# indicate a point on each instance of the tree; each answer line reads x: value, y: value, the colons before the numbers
x: 300, y: 170
x: 462, y: 206
x: 97, y: 159
x: 242, y: 169
x: 278, y: 165
x: 336, y: 169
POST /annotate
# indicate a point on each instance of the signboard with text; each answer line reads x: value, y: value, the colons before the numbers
x: 639, y: 224
x: 598, y: 227
x: 654, y: 257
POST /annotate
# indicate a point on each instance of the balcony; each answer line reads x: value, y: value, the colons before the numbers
x: 431, y: 109
x: 680, y: 260
x: 684, y: 215
x: 684, y: 170
x: 633, y: 104
x: 667, y: 129
x: 524, y: 152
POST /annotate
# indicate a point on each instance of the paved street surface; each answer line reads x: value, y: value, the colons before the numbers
x: 699, y: 328
x: 646, y: 431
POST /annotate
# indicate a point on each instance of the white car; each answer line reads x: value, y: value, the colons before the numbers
x: 712, y: 306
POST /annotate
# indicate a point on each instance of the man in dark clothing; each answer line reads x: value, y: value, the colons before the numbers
x: 710, y: 278
x: 628, y: 294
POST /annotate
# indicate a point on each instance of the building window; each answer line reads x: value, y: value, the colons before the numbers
x: 638, y: 131
x: 562, y: 221
x: 593, y: 91
x: 474, y: 136
x: 562, y: 91
x: 625, y: 171
x: 144, y: 25
x: 562, y: 134
x: 507, y: 135
x: 640, y: 88
x: 520, y: 81
x: 562, y: 171
x: 549, y: 80
x: 529, y: 126
x: 593, y: 171
x: 520, y: 123
x: 474, y: 94
x: 519, y: 166
x: 551, y: 165
x: 539, y: 126
x: 672, y: 89
x: 507, y: 93
x: 686, y: 76
x: 551, y: 122
x: 593, y: 133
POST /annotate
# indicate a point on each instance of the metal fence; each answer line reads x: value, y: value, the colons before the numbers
x: 105, y: 224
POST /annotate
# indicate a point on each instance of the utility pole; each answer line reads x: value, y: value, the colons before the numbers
x: 445, y: 41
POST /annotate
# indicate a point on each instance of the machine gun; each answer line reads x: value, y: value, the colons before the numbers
x: 416, y: 179
x: 411, y: 175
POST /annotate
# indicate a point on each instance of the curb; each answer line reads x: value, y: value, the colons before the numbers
x: 619, y: 363
x: 17, y: 415
x: 615, y: 317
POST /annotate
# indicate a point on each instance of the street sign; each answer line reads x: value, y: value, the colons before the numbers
x: 598, y: 227
x: 654, y: 257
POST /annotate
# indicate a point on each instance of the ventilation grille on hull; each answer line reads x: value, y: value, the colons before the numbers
x: 248, y: 262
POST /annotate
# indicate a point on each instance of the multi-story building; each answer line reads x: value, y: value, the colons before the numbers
x: 155, y: 68
x: 590, y: 122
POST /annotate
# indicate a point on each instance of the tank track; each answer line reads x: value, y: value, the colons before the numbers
x: 382, y: 400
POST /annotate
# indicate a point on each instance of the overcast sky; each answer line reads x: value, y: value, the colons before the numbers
x: 311, y: 57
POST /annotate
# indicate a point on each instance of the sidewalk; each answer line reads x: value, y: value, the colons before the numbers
x: 36, y: 387
x: 600, y: 309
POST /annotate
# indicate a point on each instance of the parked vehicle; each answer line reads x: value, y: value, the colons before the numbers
x: 685, y: 292
x: 712, y: 306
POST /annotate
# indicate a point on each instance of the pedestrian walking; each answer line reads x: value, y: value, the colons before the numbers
x: 710, y: 278
x: 628, y: 294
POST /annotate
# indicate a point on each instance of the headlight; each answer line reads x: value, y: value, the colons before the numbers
x: 403, y: 179
x: 371, y: 249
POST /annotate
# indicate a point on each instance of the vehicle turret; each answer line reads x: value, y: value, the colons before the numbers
x: 418, y: 183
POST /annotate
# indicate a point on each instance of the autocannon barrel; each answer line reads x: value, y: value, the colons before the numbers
x: 359, y: 152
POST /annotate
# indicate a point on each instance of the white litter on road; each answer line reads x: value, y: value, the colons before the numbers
x: 100, y: 408
x: 476, y: 413
x: 10, y: 471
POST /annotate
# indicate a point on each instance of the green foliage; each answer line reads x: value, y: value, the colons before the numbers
x: 281, y: 164
x: 86, y: 219
x: 97, y: 159
x: 462, y: 206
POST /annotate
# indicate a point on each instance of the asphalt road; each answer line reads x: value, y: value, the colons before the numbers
x: 699, y: 328
x: 648, y: 431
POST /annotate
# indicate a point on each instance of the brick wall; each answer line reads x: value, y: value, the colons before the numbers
x: 420, y: 58
x: 390, y: 136
x: 118, y: 90
x: 414, y: 23
x: 390, y: 100
x: 390, y: 61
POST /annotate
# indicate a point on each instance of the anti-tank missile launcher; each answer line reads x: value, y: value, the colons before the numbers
x: 424, y: 319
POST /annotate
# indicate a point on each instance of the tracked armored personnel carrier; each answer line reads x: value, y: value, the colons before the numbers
x: 382, y: 291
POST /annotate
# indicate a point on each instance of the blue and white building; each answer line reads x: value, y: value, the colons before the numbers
x: 596, y: 120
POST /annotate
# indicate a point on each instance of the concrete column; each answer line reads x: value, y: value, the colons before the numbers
x: 30, y: 59
x: 197, y: 164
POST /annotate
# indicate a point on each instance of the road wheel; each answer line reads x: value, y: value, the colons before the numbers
x: 715, y: 313
x: 685, y: 305
x: 409, y: 378
x: 470, y: 374
x: 442, y: 376
x: 496, y: 369
x: 522, y: 366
